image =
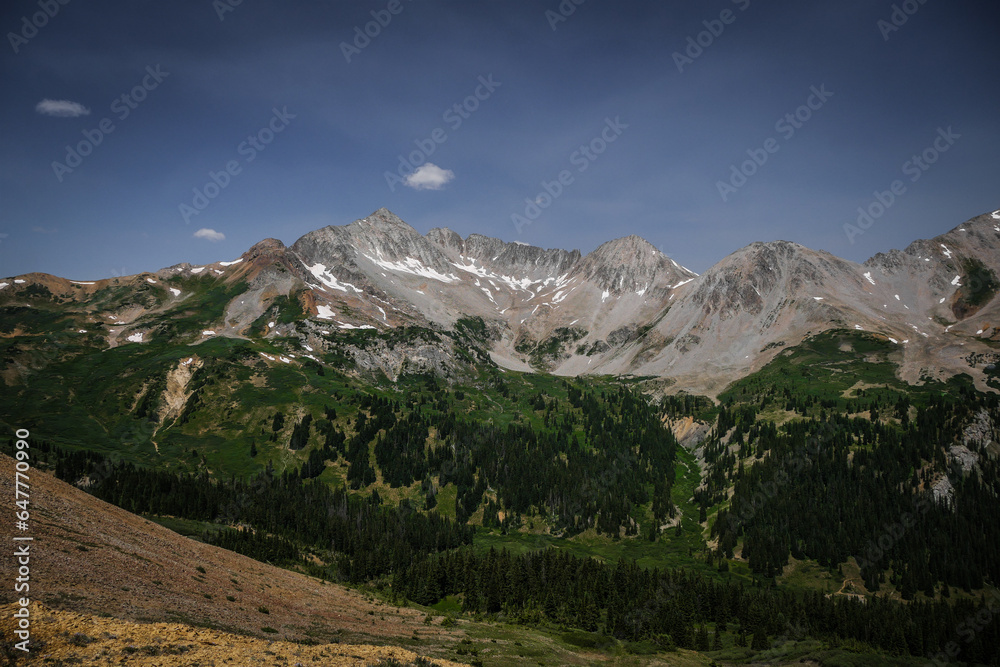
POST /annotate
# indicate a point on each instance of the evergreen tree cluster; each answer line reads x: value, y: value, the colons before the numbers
x: 361, y: 538
x: 836, y: 486
x: 587, y: 467
x: 674, y: 607
x: 257, y: 545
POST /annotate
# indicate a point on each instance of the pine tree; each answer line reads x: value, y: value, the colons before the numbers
x: 701, y: 642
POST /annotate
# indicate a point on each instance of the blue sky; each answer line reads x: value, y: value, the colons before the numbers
x: 303, y: 123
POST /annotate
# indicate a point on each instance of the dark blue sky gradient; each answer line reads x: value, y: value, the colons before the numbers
x: 118, y: 211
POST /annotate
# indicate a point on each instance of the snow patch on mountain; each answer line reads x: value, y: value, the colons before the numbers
x: 414, y: 267
x: 328, y: 279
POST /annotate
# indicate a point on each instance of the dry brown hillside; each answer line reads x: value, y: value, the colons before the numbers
x: 103, y: 563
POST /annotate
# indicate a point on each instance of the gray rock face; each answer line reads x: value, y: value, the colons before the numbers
x: 632, y: 309
x: 630, y: 264
x: 639, y: 311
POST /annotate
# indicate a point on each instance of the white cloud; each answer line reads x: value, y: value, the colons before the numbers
x: 209, y: 235
x: 429, y: 177
x: 61, y: 108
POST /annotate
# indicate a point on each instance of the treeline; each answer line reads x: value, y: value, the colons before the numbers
x: 676, y: 608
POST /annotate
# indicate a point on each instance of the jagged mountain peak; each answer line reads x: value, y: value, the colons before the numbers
x: 445, y: 237
x: 631, y: 249
x: 633, y: 264
x: 506, y: 258
x: 631, y: 241
x: 781, y: 258
x: 787, y: 248
x: 384, y: 217
x: 266, y: 247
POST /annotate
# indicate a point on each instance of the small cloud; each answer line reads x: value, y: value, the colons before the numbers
x: 61, y: 108
x: 209, y: 235
x: 429, y: 177
x: 41, y: 230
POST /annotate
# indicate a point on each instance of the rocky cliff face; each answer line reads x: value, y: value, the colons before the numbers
x: 623, y: 308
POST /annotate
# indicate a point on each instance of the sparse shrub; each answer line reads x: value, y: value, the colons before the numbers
x: 80, y: 639
x: 268, y: 629
x: 231, y: 598
x: 200, y: 569
x: 264, y: 610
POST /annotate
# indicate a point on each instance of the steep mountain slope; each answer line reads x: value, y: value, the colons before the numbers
x: 95, y: 558
x: 935, y: 300
x: 625, y: 308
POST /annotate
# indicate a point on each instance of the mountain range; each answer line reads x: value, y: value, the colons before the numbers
x: 623, y: 309
x: 414, y: 413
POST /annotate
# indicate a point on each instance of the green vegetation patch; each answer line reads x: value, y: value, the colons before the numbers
x: 979, y: 286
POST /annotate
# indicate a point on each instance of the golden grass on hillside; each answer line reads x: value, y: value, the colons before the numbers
x: 62, y: 637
